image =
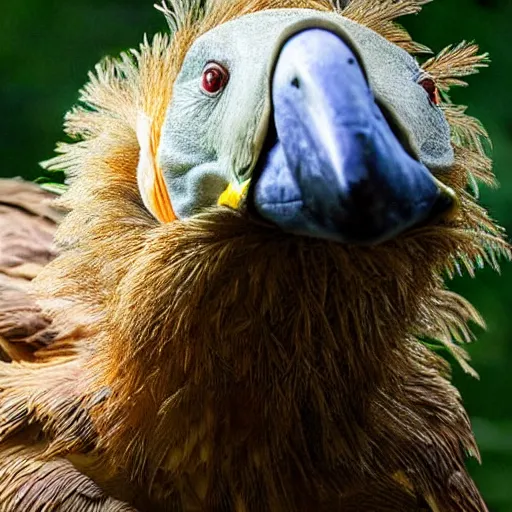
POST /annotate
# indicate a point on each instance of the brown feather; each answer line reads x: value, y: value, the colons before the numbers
x: 30, y: 482
x: 27, y: 227
x: 454, y: 62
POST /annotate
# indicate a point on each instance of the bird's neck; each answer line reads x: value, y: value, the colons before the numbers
x: 228, y: 341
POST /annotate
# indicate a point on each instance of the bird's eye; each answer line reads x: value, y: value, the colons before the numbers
x: 433, y: 93
x: 215, y: 77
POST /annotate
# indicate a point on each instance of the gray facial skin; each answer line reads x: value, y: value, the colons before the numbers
x: 210, y: 141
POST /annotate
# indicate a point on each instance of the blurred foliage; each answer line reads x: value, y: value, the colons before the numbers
x: 47, y: 47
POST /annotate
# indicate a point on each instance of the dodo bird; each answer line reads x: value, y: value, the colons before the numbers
x: 240, y: 307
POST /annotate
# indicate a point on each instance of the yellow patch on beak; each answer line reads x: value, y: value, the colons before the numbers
x: 150, y: 180
x: 149, y: 174
x: 233, y: 194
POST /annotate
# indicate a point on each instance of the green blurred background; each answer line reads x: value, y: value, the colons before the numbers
x: 48, y: 46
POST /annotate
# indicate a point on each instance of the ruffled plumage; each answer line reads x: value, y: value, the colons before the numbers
x: 139, y: 368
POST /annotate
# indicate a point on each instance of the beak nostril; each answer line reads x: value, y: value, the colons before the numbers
x: 295, y: 83
x: 351, y: 61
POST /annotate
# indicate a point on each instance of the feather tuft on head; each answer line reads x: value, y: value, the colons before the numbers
x: 179, y: 13
x: 454, y: 62
x: 380, y: 15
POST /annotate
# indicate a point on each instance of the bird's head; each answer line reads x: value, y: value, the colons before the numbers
x: 310, y: 121
x: 262, y: 210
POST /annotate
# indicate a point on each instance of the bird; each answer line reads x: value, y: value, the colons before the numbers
x: 236, y: 301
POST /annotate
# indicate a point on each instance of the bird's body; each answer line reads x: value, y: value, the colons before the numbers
x: 215, y: 362
x: 272, y: 444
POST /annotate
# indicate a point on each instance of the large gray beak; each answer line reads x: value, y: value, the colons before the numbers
x: 333, y: 167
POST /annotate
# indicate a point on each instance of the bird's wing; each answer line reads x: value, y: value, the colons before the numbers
x: 27, y: 227
x: 37, y: 370
x: 30, y: 481
x: 41, y: 365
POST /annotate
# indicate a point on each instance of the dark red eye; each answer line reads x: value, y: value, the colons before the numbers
x: 433, y: 93
x: 215, y: 77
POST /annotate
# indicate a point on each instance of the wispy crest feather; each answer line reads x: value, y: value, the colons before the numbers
x: 454, y: 62
x: 179, y: 13
x: 379, y: 15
